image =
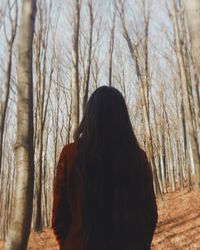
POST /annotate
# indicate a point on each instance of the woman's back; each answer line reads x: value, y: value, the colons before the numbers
x: 112, y: 179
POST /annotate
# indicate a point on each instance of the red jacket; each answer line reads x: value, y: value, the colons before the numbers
x: 66, y: 222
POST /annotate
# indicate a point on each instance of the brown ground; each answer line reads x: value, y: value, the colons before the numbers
x: 179, y: 222
x: 178, y: 226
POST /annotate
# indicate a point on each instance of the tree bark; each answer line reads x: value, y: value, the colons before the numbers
x: 75, y: 71
x: 86, y: 89
x: 4, y: 105
x: 111, y: 48
x: 42, y: 101
x: 19, y: 230
x: 192, y: 10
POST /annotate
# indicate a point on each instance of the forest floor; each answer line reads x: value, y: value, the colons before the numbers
x: 178, y: 226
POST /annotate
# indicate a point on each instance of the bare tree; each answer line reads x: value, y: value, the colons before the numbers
x: 192, y: 9
x: 75, y: 71
x: 43, y: 89
x: 19, y: 230
x: 89, y: 60
x: 10, y: 41
x: 189, y: 118
x: 111, y: 47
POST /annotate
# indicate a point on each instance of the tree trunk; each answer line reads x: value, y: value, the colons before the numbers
x: 4, y: 105
x: 42, y: 101
x: 192, y: 9
x: 19, y: 229
x: 111, y: 48
x: 86, y: 89
x: 75, y: 71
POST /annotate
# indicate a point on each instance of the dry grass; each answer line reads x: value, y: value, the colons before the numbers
x: 179, y: 222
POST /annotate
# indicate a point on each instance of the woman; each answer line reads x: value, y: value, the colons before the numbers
x: 103, y: 189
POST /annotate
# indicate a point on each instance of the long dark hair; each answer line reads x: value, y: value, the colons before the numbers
x: 110, y: 165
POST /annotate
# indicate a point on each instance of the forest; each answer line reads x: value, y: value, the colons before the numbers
x: 53, y: 55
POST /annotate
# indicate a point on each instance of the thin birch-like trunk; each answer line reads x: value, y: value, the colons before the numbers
x: 75, y: 71
x: 111, y: 48
x: 4, y: 104
x: 192, y: 9
x: 89, y: 61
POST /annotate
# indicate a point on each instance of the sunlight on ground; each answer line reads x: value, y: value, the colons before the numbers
x: 179, y: 222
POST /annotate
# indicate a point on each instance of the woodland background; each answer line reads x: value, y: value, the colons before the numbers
x: 50, y: 62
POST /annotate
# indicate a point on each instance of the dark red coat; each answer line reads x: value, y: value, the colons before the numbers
x: 66, y: 222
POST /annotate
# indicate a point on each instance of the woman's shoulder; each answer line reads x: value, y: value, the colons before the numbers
x: 69, y: 148
x: 69, y: 152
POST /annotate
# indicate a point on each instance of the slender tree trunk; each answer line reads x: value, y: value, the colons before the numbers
x: 87, y: 81
x: 192, y: 9
x: 45, y: 185
x: 42, y: 101
x: 75, y: 71
x: 159, y: 161
x: 112, y: 39
x: 180, y: 166
x: 56, y: 123
x: 19, y: 229
x: 4, y: 105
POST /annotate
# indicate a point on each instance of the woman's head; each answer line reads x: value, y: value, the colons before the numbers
x: 106, y: 118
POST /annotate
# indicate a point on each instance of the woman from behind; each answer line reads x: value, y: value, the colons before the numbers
x: 103, y: 189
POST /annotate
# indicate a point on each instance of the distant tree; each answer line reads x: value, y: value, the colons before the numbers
x: 4, y: 103
x: 42, y: 94
x: 6, y: 168
x: 89, y: 59
x: 185, y: 83
x: 111, y: 47
x: 192, y: 9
